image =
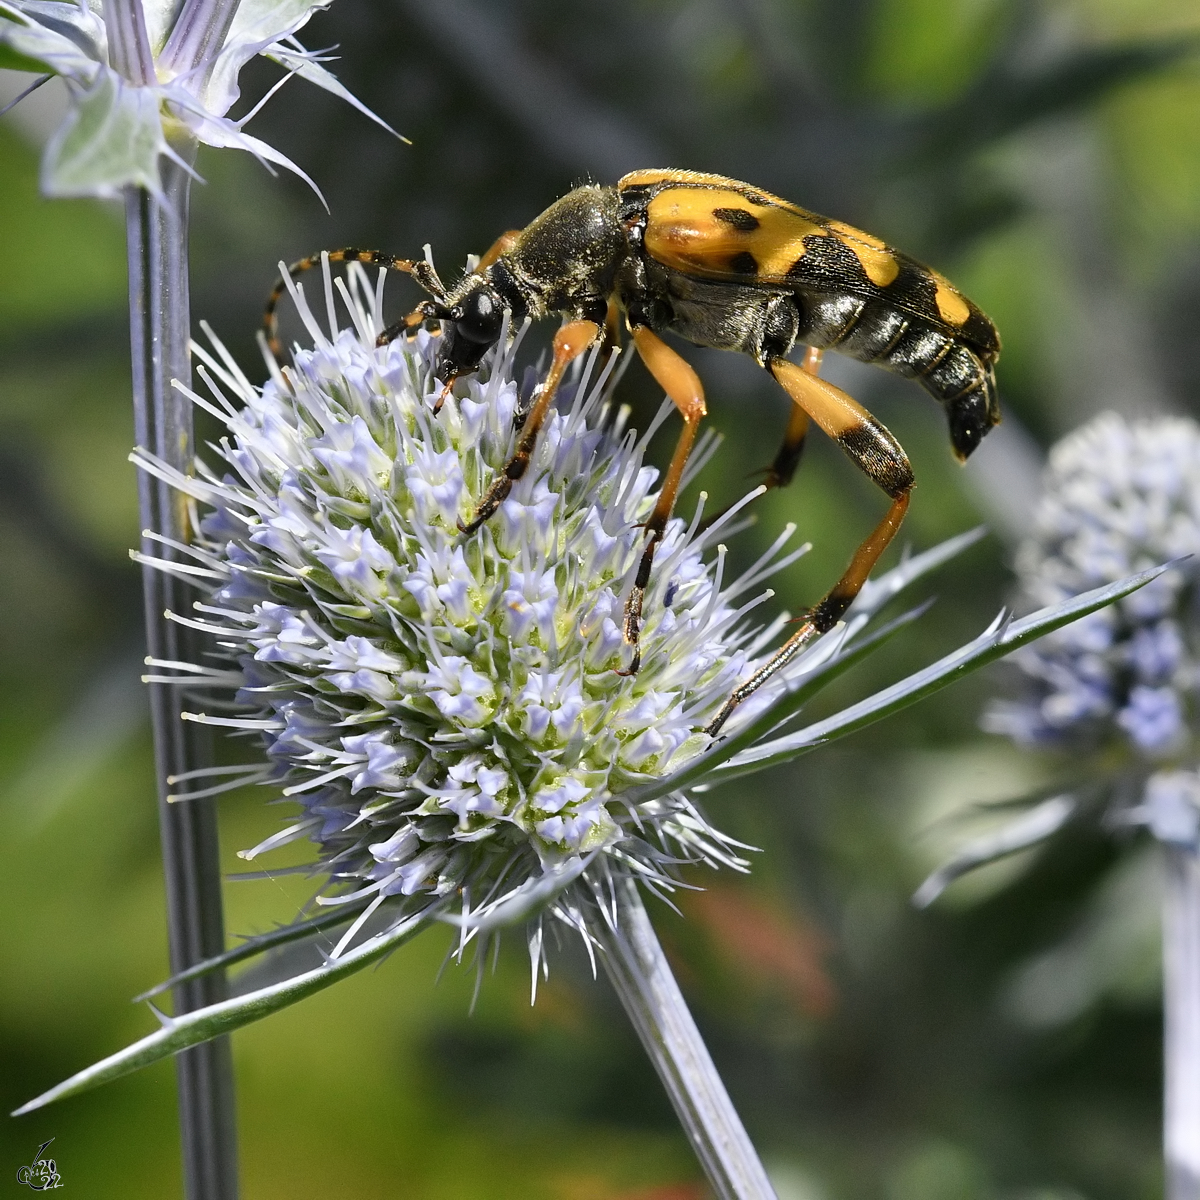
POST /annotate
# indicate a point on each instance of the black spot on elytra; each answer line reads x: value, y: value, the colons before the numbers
x: 740, y: 218
x: 743, y: 263
x: 827, y: 262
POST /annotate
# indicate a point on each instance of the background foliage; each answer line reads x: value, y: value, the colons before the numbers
x: 1003, y: 1045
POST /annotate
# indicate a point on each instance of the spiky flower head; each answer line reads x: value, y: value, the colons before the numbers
x: 449, y: 711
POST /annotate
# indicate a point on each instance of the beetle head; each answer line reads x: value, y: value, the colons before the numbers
x: 471, y: 326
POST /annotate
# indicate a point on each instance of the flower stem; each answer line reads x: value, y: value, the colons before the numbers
x: 159, y: 331
x: 198, y: 34
x: 1181, y: 1038
x: 634, y: 961
x: 129, y: 48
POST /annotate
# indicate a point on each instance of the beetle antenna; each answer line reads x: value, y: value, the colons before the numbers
x: 421, y: 270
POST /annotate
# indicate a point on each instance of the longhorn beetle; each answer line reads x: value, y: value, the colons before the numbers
x: 718, y: 263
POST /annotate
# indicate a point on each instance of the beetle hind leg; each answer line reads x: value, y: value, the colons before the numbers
x: 783, y: 466
x: 877, y: 453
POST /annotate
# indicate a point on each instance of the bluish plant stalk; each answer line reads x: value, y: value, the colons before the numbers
x: 158, y: 295
x: 160, y: 325
x: 1181, y: 1019
x: 642, y: 977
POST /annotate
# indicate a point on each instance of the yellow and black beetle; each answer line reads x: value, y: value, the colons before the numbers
x: 723, y: 264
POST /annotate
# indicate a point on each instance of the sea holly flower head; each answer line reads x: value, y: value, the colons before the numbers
x: 147, y: 77
x: 452, y: 712
x: 1118, y: 496
x: 1118, y: 688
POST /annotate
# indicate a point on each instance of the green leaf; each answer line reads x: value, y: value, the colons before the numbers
x: 1001, y: 638
x: 110, y: 140
x: 190, y: 1029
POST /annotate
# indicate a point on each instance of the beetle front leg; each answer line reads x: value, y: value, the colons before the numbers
x: 877, y: 453
x: 569, y: 343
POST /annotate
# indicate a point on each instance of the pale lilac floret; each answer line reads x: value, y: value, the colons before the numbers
x: 1157, y: 651
x: 386, y: 767
x: 1153, y: 718
x: 530, y: 604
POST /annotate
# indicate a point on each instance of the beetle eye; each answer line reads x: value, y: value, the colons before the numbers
x: 479, y: 317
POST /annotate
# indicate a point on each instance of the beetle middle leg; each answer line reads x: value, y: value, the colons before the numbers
x: 569, y: 343
x: 877, y: 453
x: 782, y: 470
x: 612, y: 332
x: 783, y: 466
x: 683, y: 388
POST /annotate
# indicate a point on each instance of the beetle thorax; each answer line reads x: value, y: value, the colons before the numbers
x: 567, y: 259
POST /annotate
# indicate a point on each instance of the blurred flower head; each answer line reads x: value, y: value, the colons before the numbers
x: 1119, y: 497
x: 448, y: 710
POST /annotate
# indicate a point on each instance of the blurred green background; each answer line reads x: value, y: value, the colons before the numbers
x: 1005, y: 1044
